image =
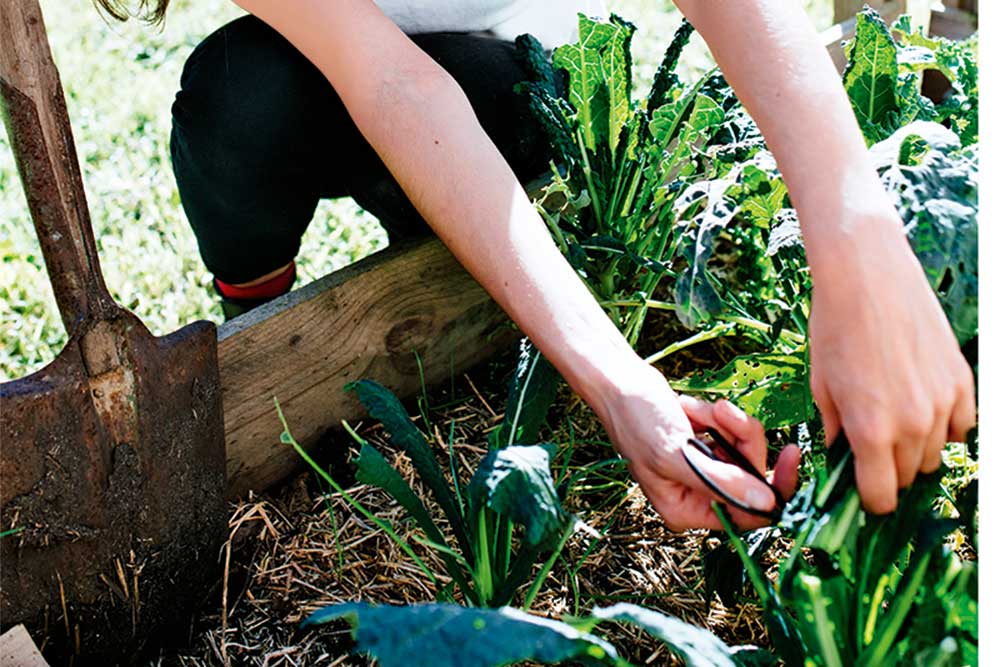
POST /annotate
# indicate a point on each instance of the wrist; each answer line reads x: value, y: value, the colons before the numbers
x: 629, y: 382
x: 853, y: 237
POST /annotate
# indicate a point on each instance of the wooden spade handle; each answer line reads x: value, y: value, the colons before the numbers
x: 34, y: 111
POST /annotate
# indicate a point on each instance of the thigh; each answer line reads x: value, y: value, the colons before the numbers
x: 256, y: 129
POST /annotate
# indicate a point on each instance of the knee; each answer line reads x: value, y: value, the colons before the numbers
x: 245, y: 87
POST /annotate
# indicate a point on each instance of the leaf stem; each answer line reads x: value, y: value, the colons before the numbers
x: 717, y: 331
x: 748, y: 322
x: 484, y: 572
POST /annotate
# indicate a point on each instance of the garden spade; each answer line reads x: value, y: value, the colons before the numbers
x: 113, y: 456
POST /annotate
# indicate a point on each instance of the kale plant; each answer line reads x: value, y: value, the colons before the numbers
x: 864, y: 590
x: 626, y: 160
x: 512, y: 486
x: 675, y: 203
x: 884, y: 76
x: 646, y: 189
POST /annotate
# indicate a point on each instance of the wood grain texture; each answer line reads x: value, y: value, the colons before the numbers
x: 954, y: 24
x: 971, y: 6
x: 34, y: 112
x: 369, y: 320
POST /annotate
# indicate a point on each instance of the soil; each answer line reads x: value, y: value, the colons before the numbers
x: 301, y: 547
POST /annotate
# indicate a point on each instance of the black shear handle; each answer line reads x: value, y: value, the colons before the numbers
x: 741, y: 461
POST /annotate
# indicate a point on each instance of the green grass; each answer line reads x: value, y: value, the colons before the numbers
x: 120, y: 81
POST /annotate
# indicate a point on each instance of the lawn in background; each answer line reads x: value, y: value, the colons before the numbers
x: 120, y: 80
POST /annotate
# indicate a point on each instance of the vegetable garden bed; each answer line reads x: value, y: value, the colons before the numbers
x: 301, y: 548
x: 673, y: 212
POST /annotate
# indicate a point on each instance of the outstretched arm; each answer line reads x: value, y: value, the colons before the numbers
x: 886, y: 367
x: 420, y: 122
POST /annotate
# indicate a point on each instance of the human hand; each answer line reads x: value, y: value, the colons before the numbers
x: 649, y: 425
x: 886, y: 367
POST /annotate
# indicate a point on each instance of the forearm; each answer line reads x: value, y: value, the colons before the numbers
x: 773, y: 58
x: 477, y: 207
x: 424, y: 129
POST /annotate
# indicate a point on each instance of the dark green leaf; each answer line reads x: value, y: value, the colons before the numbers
x: 936, y: 190
x: 751, y: 656
x: 697, y: 646
x: 696, y: 297
x: 723, y: 573
x: 781, y: 627
x: 723, y: 569
x: 533, y: 59
x: 442, y: 635
x: 516, y: 482
x: 373, y: 469
x: 555, y: 119
x: 532, y: 391
x: 666, y: 79
x: 752, y: 188
x: 385, y: 407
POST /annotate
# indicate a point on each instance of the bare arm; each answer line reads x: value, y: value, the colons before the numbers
x: 420, y: 122
x: 885, y: 364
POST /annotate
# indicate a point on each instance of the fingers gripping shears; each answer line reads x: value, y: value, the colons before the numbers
x: 733, y: 456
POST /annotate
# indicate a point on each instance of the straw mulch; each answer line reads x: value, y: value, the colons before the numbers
x: 305, y: 547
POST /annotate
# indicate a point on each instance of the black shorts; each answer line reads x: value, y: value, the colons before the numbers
x: 260, y: 136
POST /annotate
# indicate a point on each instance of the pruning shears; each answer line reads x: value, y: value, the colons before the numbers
x: 736, y: 457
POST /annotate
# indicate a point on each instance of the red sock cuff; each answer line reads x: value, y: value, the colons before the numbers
x: 269, y: 289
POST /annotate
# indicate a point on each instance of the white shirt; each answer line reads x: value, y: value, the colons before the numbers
x: 553, y: 22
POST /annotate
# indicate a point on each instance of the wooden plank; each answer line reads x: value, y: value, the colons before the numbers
x: 844, y: 10
x: 971, y: 6
x: 953, y: 23
x: 364, y: 321
x: 18, y: 650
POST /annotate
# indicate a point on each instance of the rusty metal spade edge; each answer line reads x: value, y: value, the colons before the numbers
x: 112, y: 457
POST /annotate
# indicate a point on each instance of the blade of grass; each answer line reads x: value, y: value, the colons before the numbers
x: 336, y: 532
x: 454, y: 471
x: 779, y: 624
